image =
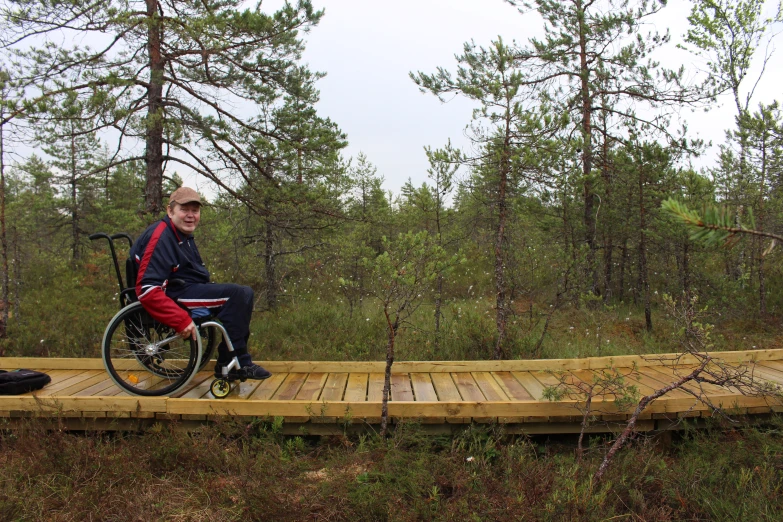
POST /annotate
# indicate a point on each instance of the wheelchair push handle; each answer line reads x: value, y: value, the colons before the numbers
x: 111, y: 239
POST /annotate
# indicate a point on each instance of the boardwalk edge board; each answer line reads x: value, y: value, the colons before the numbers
x: 589, y: 363
x: 442, y: 395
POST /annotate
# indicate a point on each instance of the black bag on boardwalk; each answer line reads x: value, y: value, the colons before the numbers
x: 22, y: 381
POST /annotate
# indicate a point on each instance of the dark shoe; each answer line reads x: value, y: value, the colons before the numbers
x: 252, y: 371
x: 256, y: 372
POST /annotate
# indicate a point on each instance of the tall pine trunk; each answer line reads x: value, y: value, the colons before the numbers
x: 74, y: 202
x: 3, y: 238
x: 500, y: 282
x: 269, y: 261
x: 587, y: 151
x: 644, y: 282
x: 391, y: 330
x: 153, y: 190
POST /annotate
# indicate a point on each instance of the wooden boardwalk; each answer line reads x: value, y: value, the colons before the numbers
x: 324, y: 397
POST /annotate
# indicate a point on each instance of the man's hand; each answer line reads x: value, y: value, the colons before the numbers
x: 189, y: 331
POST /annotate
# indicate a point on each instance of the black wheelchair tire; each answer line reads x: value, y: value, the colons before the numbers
x: 134, y: 362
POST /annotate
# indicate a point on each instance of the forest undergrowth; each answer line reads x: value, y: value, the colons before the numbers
x: 319, y: 325
x: 250, y: 471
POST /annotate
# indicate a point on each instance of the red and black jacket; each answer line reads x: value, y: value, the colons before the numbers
x: 162, y: 254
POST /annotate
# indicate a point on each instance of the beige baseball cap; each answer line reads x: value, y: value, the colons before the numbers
x: 184, y: 195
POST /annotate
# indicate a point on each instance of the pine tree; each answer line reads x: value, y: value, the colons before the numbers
x: 182, y: 78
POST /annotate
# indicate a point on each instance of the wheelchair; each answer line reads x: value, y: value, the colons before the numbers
x: 144, y: 356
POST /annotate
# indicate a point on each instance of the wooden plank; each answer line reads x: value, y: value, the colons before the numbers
x: 467, y: 387
x: 47, y: 363
x: 96, y: 388
x: 61, y: 375
x: 333, y: 391
x: 489, y: 386
x: 267, y: 388
x: 55, y: 387
x: 243, y: 390
x: 530, y: 383
x: 417, y: 409
x: 653, y: 380
x: 198, y: 379
x: 768, y: 373
x: 445, y: 388
x: 777, y: 365
x: 334, y: 387
x: 311, y: 389
x: 50, y: 363
x: 375, y: 387
x: 290, y: 387
x: 719, y: 396
x: 98, y: 376
x: 511, y: 386
x: 448, y: 393
x: 39, y: 404
x: 670, y: 375
x: 198, y: 391
x: 423, y: 390
x: 356, y: 389
x: 401, y: 387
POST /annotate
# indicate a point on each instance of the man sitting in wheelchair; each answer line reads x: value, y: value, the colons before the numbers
x: 172, y: 278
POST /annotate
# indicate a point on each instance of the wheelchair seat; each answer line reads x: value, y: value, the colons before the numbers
x: 200, y: 315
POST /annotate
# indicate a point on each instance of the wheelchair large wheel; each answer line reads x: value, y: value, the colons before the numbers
x: 136, y: 345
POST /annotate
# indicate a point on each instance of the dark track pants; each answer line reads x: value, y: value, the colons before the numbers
x: 232, y: 305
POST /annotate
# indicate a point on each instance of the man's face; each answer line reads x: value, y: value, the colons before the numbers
x: 185, y: 217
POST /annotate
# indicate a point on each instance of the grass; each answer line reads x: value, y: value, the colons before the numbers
x: 249, y: 471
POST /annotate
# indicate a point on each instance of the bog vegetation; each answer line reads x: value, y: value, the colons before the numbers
x: 544, y: 239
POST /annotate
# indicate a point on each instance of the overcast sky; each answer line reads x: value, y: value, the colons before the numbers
x: 367, y: 48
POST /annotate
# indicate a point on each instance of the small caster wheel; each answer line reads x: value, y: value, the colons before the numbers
x: 220, y: 388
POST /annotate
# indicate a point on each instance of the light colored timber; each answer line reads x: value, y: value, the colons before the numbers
x: 445, y: 388
x: 243, y: 390
x: 777, y: 365
x: 423, y: 390
x: 94, y: 377
x: 356, y: 389
x: 590, y: 363
x: 511, y: 386
x: 441, y: 397
x: 334, y: 387
x: 62, y: 384
x: 375, y: 384
x: 518, y: 409
x: 290, y: 387
x: 531, y: 384
x: 401, y: 387
x: 489, y: 386
x: 651, y: 378
x: 447, y: 392
x: 311, y: 389
x: 647, y: 386
x: 268, y: 387
x: 467, y: 387
x: 98, y: 387
x: 767, y: 373
x: 199, y: 390
x: 198, y: 379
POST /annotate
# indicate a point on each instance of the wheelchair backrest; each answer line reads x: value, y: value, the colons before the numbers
x: 131, y: 272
